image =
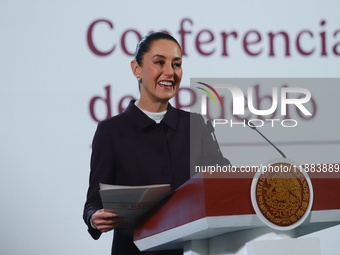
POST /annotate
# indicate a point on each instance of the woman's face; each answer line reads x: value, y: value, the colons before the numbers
x: 161, y: 71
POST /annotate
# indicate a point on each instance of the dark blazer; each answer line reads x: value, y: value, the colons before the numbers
x: 131, y: 149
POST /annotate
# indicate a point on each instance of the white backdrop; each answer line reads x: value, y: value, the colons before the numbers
x: 48, y: 75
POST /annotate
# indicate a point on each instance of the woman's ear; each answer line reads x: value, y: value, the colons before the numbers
x: 136, y: 69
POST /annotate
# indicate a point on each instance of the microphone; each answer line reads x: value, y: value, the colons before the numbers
x: 212, y: 131
x: 254, y: 128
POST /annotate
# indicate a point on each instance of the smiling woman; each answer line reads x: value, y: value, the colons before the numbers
x: 158, y: 68
x: 149, y: 143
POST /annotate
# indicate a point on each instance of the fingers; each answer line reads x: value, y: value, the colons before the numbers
x: 103, y: 227
x: 105, y: 221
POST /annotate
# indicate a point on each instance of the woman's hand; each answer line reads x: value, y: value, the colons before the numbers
x: 105, y: 221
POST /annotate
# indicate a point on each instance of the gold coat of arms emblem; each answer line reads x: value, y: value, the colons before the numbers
x: 282, y: 195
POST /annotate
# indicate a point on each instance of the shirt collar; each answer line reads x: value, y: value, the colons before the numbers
x: 143, y: 121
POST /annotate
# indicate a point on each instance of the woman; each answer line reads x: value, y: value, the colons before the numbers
x: 147, y: 144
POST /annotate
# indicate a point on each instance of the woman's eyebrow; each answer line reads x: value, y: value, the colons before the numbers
x: 162, y: 56
x: 158, y: 56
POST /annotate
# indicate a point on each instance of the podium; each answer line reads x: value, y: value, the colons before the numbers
x: 206, y: 212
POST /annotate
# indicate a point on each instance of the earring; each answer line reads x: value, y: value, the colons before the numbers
x: 139, y: 79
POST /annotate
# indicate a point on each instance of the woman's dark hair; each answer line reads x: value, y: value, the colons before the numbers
x: 144, y: 44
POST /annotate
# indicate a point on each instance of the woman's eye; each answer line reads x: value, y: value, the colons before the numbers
x: 177, y: 65
x: 161, y: 62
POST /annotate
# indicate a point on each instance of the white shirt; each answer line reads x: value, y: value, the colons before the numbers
x: 156, y: 116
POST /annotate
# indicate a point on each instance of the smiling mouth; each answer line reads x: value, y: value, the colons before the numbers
x: 166, y: 84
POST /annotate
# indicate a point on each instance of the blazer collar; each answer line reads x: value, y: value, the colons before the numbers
x: 170, y: 119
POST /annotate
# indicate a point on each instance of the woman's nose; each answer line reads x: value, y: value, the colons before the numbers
x: 168, y: 70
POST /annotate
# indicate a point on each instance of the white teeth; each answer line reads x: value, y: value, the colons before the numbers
x: 165, y: 83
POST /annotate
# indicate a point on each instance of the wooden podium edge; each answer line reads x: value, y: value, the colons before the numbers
x: 209, y: 227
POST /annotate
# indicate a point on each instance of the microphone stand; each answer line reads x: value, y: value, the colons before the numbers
x: 254, y: 128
